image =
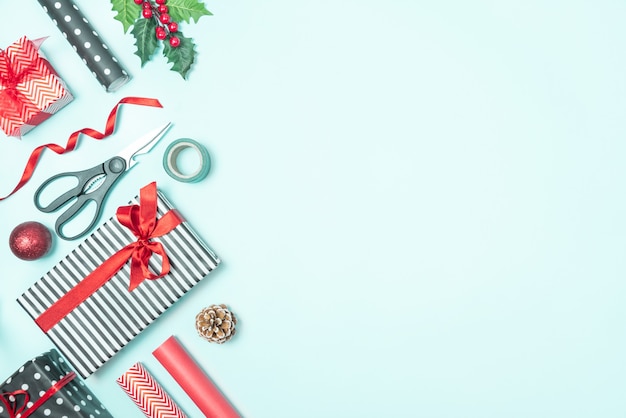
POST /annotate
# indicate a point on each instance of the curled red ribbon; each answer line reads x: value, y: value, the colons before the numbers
x: 73, y: 139
x: 142, y: 221
x: 12, y: 405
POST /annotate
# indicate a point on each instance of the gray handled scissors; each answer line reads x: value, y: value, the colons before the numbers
x: 95, y: 183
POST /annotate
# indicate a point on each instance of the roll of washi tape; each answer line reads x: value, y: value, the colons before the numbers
x: 170, y: 162
x: 87, y: 43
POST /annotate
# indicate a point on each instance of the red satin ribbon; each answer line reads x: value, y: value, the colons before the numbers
x: 73, y: 139
x: 142, y: 221
x: 12, y: 406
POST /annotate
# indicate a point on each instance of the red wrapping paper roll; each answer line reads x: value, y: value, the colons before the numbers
x: 147, y: 394
x: 193, y: 380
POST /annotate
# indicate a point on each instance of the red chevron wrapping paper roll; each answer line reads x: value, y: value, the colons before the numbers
x: 149, y: 396
x: 30, y: 89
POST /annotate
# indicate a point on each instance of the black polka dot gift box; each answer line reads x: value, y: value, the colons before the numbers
x: 47, y: 387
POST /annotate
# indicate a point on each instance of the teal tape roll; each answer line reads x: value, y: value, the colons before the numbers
x: 171, y: 155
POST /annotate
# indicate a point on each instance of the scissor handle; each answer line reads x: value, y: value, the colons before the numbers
x: 112, y: 169
x: 82, y: 176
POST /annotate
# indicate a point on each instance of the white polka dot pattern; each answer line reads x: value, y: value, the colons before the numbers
x: 86, y: 43
x: 37, y: 377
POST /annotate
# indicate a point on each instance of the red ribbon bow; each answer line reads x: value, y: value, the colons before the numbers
x: 9, y: 79
x: 9, y: 399
x: 15, y: 67
x: 142, y: 221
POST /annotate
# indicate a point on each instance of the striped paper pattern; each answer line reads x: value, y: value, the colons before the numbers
x: 109, y: 319
x: 149, y: 396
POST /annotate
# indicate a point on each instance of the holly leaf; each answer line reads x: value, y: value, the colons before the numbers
x: 146, y: 42
x: 187, y: 10
x: 127, y: 12
x: 182, y: 56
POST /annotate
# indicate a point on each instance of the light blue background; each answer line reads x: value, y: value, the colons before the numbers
x: 419, y: 205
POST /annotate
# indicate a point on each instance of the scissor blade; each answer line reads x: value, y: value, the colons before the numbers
x: 142, y: 145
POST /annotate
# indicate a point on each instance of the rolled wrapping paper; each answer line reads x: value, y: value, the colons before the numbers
x: 149, y: 396
x: 87, y: 43
x: 193, y: 380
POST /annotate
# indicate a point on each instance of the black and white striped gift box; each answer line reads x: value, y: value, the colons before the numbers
x: 110, y: 318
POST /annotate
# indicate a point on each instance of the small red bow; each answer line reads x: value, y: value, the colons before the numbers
x: 9, y: 399
x: 20, y: 62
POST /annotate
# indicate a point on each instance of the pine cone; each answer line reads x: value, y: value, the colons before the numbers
x: 216, y: 324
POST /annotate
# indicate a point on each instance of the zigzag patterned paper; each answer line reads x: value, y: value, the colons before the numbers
x: 38, y: 90
x: 149, y: 396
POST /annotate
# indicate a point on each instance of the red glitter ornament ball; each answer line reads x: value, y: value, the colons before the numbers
x: 30, y: 240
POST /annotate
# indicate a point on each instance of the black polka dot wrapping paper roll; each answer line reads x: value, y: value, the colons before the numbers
x: 47, y: 387
x: 87, y: 43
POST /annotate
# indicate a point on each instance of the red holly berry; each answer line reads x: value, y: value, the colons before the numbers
x: 138, y: 1
x: 147, y: 5
x: 174, y: 41
x: 162, y: 8
x: 147, y: 13
x: 160, y: 33
x: 161, y: 1
x: 164, y: 18
x: 173, y: 27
